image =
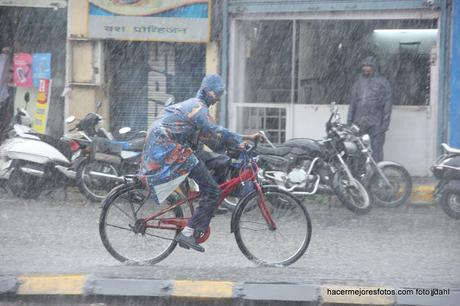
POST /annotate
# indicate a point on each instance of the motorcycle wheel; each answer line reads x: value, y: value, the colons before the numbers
x: 95, y: 189
x: 23, y: 185
x: 398, y: 193
x: 352, y: 194
x: 450, y: 203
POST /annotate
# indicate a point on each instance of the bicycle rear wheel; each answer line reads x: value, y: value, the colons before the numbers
x: 124, y: 236
x: 283, y: 245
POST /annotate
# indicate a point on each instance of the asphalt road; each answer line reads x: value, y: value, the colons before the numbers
x: 414, y: 245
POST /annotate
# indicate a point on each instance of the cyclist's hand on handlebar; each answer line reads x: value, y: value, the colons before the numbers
x: 256, y: 137
x: 244, y: 145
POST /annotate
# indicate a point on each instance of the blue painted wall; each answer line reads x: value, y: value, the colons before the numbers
x: 454, y: 120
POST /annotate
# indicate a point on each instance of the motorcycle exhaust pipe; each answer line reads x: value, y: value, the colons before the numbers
x: 106, y: 176
x: 33, y: 172
x: 67, y: 172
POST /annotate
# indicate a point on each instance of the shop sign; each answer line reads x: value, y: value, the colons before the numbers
x: 41, y: 112
x: 150, y: 20
x: 22, y: 70
x: 35, y: 3
x: 41, y: 67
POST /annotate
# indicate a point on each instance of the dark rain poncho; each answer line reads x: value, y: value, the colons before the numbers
x: 371, y: 101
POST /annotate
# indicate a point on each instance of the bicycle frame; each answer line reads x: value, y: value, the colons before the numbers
x: 248, y: 173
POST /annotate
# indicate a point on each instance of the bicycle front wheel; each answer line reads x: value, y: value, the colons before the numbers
x: 123, y: 233
x: 282, y: 245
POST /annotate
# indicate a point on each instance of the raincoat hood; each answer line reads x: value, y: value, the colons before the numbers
x: 211, y: 82
x: 369, y: 61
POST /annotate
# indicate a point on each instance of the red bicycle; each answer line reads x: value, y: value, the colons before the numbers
x: 271, y: 226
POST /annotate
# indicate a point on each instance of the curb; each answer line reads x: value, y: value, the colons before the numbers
x: 422, y: 194
x: 324, y: 294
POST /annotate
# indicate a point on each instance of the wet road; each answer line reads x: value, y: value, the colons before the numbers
x: 412, y: 245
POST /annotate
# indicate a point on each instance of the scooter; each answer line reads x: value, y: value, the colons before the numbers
x: 29, y: 165
x: 447, y: 170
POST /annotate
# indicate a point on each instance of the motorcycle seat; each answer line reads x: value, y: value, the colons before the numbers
x: 279, y: 151
x: 449, y: 149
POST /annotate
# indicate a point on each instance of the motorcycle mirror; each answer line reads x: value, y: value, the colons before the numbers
x: 124, y: 130
x: 27, y: 97
x: 334, y: 108
x: 70, y: 119
x: 21, y: 111
x: 98, y: 105
x: 267, y: 139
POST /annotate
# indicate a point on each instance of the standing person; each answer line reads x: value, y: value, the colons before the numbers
x: 168, y: 155
x: 370, y: 105
x: 5, y: 107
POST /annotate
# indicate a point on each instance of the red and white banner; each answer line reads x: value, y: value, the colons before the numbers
x: 22, y: 69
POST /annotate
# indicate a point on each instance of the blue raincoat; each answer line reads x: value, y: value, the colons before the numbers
x: 168, y: 152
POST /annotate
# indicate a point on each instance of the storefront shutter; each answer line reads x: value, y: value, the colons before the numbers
x: 129, y: 71
x: 175, y: 72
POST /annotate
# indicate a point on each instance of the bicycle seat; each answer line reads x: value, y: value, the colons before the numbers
x: 278, y: 151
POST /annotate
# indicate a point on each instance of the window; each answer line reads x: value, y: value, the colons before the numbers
x: 327, y: 55
x: 268, y: 61
x: 330, y: 54
x: 271, y: 120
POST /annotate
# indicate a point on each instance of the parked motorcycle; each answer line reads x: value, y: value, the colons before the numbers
x: 388, y: 183
x: 105, y: 167
x: 103, y: 160
x: 30, y: 165
x: 304, y: 167
x: 447, y: 170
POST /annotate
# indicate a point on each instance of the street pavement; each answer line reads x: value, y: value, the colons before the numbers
x: 410, y: 246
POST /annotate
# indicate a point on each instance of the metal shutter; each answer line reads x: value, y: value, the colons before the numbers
x: 175, y: 72
x: 129, y: 76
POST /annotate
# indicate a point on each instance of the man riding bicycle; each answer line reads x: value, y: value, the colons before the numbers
x: 168, y: 156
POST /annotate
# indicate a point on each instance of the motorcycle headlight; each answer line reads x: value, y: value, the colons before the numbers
x: 366, y: 140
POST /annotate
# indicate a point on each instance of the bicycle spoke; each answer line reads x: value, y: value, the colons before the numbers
x: 255, y: 230
x: 282, y: 245
x: 136, y: 244
x: 120, y: 227
x: 125, y: 213
x: 156, y: 236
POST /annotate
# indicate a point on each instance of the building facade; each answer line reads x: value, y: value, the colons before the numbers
x: 133, y: 57
x: 37, y: 28
x: 284, y: 62
x: 288, y: 60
